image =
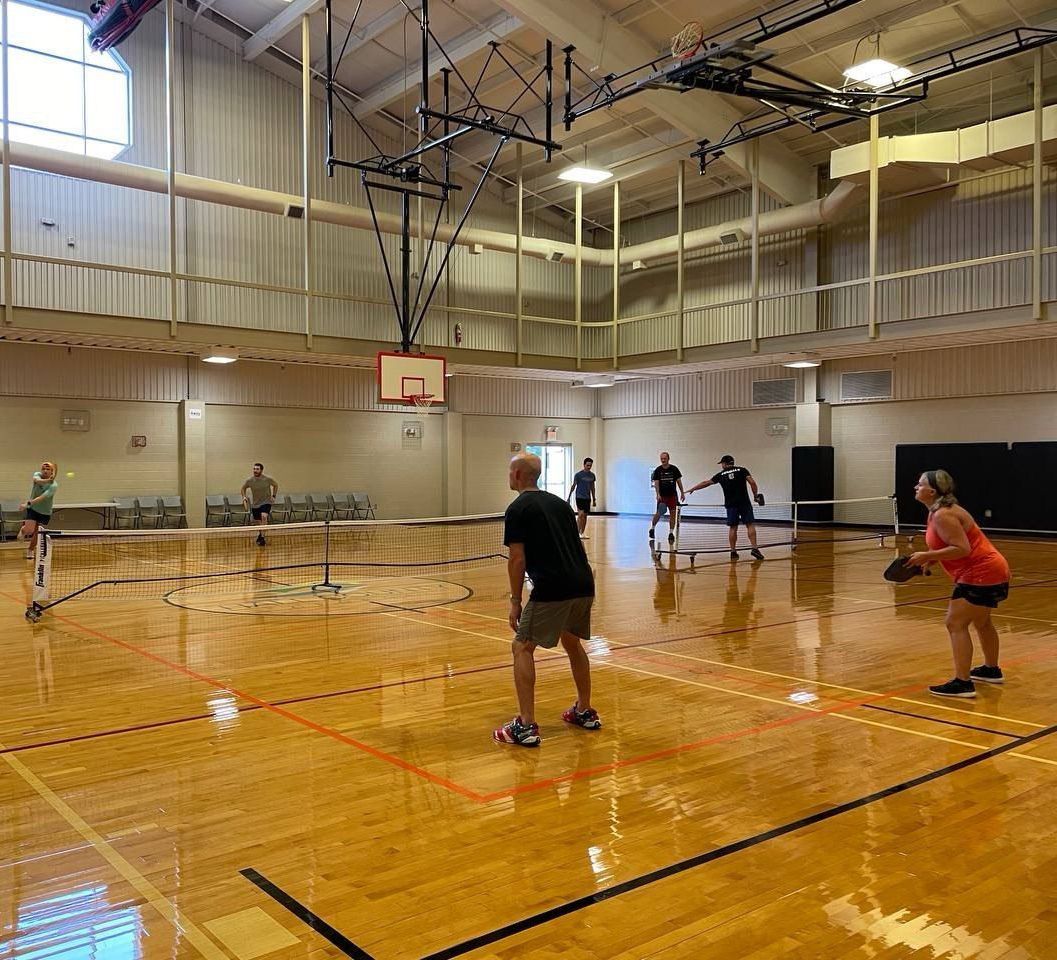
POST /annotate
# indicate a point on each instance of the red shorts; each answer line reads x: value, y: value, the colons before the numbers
x: 671, y: 503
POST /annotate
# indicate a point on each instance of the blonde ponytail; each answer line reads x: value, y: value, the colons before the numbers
x: 943, y: 483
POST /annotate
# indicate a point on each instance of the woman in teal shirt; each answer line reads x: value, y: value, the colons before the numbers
x: 39, y: 505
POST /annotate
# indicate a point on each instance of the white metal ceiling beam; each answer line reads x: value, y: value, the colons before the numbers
x: 278, y: 27
x: 457, y: 50
x: 371, y: 31
x: 601, y: 40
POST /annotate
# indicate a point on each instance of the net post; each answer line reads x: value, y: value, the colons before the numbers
x: 796, y: 521
x: 895, y: 519
x: 326, y: 554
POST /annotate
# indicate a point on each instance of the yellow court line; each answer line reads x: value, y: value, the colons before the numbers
x: 1030, y: 756
x: 725, y: 690
x: 817, y: 683
x: 184, y: 927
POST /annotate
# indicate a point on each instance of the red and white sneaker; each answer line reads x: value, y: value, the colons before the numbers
x: 518, y: 733
x: 588, y: 719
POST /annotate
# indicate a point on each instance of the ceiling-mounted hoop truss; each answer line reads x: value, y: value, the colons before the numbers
x: 731, y: 61
x: 946, y: 63
x: 415, y: 172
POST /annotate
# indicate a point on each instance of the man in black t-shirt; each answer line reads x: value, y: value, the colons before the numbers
x: 736, y: 499
x: 544, y: 542
x: 665, y: 478
x: 584, y: 488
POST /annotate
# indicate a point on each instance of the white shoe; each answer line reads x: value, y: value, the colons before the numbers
x: 584, y: 536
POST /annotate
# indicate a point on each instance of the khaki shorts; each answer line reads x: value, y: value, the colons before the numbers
x: 543, y: 621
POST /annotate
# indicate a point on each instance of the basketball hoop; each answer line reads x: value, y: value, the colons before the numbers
x: 422, y: 400
x: 688, y: 40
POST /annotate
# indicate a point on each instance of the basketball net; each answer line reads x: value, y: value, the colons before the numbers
x: 423, y: 400
x: 688, y: 40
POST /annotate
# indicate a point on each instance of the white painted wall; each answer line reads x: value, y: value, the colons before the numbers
x: 695, y: 441
x: 486, y: 454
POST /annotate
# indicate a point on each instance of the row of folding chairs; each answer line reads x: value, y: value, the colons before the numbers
x: 128, y: 513
x: 147, y: 513
x: 223, y: 511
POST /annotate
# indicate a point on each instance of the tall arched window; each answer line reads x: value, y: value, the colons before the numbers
x: 62, y: 93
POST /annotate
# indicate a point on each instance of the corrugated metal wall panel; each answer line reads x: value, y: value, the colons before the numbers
x: 691, y: 393
x: 988, y: 369
x: 597, y: 341
x: 717, y: 325
x: 520, y: 398
x: 32, y: 370
x: 548, y: 339
x: 647, y: 336
x: 78, y: 289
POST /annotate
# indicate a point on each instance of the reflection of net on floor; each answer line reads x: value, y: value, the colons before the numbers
x: 702, y: 528
x: 148, y: 564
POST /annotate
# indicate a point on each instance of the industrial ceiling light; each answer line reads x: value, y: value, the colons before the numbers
x: 584, y: 175
x: 877, y: 73
x: 219, y: 355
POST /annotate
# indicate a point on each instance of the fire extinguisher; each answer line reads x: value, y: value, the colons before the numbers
x: 457, y: 332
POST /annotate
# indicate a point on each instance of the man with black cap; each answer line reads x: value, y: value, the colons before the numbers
x: 736, y: 499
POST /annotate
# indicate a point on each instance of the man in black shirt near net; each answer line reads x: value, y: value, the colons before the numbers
x: 665, y: 479
x: 733, y: 480
x: 543, y: 540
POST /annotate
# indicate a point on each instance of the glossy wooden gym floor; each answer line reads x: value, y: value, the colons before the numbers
x: 772, y: 779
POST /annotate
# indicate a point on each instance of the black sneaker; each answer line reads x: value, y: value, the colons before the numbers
x: 651, y: 533
x: 260, y: 540
x: 987, y: 674
x: 733, y: 554
x: 954, y: 688
x: 671, y: 538
x: 755, y: 554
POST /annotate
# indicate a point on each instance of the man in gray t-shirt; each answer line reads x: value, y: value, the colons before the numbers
x: 258, y: 495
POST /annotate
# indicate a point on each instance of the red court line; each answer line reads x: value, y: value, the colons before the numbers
x: 288, y: 714
x: 246, y: 708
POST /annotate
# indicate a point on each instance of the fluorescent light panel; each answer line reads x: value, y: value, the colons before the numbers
x: 584, y: 175
x: 802, y: 364
x: 219, y: 355
x: 877, y: 73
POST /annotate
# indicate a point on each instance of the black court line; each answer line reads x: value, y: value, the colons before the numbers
x: 573, y: 906
x: 299, y: 910
x: 949, y: 723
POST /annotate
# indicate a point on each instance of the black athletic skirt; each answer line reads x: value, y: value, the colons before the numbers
x: 990, y: 595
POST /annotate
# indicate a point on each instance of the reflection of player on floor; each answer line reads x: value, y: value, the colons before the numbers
x: 668, y: 590
x: 665, y: 478
x: 262, y: 491
x: 542, y: 539
x: 736, y: 500
x: 584, y: 488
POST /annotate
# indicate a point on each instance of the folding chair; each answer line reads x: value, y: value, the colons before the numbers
x: 364, y: 506
x: 299, y: 508
x: 344, y: 507
x: 173, y: 513
x: 321, y: 506
x: 151, y: 515
x: 126, y: 513
x: 217, y: 514
x: 238, y: 515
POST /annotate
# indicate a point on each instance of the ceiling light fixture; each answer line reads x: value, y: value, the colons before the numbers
x: 802, y: 364
x: 584, y: 175
x: 877, y: 73
x: 219, y: 355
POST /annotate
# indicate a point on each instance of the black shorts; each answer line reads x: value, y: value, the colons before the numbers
x: 256, y: 512
x: 742, y: 513
x: 989, y: 595
x: 32, y: 514
x: 583, y: 504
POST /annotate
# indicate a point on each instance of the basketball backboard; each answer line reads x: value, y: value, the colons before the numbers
x: 404, y: 376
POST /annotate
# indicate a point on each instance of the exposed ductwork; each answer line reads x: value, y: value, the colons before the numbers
x: 916, y: 160
x: 46, y: 160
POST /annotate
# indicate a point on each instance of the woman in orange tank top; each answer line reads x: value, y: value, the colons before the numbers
x: 981, y: 581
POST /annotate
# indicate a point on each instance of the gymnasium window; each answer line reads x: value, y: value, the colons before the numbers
x: 63, y: 94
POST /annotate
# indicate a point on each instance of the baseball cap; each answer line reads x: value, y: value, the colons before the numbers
x: 726, y: 458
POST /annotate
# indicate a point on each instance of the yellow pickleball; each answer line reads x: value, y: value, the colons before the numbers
x: 69, y: 474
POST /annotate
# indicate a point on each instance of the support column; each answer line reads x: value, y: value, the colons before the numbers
x: 1036, y: 196
x: 598, y: 454
x: 306, y: 169
x: 578, y: 279
x: 454, y: 505
x: 519, y: 305
x: 813, y: 424
x: 871, y: 294
x: 680, y: 262
x: 192, y: 460
x: 754, y: 275
x: 9, y: 283
x: 615, y: 340
x: 170, y: 162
